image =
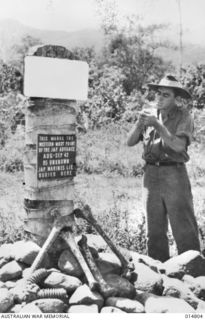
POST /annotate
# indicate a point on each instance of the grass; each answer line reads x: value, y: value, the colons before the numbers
x: 11, y: 207
x: 104, y: 151
x: 109, y: 179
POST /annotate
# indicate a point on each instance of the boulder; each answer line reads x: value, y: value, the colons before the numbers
x: 83, y: 295
x: 16, y: 308
x: 6, y: 300
x: 60, y: 280
x: 6, y: 251
x: 167, y: 305
x: 96, y: 242
x: 197, y: 285
x: 81, y: 308
x: 201, y: 307
x: 30, y: 308
x: 147, y: 279
x: 10, y: 271
x: 25, y: 251
x: 111, y: 310
x: 3, y: 285
x: 142, y: 296
x: 4, y: 261
x: 178, y: 289
x: 10, y: 284
x: 124, y: 304
x: 50, y: 305
x: 122, y: 286
x: 155, y: 265
x: 108, y: 263
x: 21, y: 294
x: 199, y: 288
x: 189, y: 281
x: 190, y: 262
x: 68, y: 264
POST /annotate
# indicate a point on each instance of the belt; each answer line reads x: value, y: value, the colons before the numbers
x: 165, y: 163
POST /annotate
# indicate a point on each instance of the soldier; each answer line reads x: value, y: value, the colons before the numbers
x: 167, y: 190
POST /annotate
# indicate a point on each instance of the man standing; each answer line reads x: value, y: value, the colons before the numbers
x: 167, y: 190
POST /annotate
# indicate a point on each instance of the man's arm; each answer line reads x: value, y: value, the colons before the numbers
x: 178, y: 144
x: 135, y: 134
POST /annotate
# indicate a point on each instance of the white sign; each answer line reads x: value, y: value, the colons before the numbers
x: 55, y: 78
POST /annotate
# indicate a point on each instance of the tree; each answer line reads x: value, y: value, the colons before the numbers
x: 136, y: 57
x: 10, y: 79
x: 131, y: 47
x: 20, y: 50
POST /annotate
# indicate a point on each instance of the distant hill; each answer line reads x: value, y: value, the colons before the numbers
x: 12, y: 31
x: 192, y: 54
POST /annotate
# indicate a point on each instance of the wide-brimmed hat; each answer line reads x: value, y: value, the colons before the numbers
x: 171, y: 82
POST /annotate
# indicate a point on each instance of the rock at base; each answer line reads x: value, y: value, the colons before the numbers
x: 68, y: 264
x: 25, y: 251
x: 167, y: 305
x: 93, y: 308
x: 60, y: 280
x: 147, y: 279
x: 190, y: 262
x: 124, y: 304
x: 50, y: 305
x: 6, y: 300
x: 10, y: 271
x: 121, y: 285
x: 30, y: 308
x: 97, y: 242
x: 108, y: 263
x: 111, y: 310
x: 83, y: 295
x: 178, y: 289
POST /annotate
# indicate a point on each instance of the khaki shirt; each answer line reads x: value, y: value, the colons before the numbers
x: 179, y: 122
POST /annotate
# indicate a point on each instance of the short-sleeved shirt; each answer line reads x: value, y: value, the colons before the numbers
x: 180, y: 123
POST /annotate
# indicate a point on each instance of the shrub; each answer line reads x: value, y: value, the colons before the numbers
x: 11, y: 228
x: 11, y: 207
x: 11, y: 156
x: 194, y: 79
x: 107, y: 98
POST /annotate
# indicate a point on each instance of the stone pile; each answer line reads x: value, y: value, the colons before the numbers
x: 178, y: 285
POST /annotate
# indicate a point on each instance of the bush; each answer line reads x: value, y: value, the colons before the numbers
x: 11, y: 207
x: 107, y: 100
x: 194, y: 79
x: 11, y: 156
x: 11, y: 228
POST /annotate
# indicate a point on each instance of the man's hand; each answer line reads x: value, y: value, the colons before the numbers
x: 148, y: 119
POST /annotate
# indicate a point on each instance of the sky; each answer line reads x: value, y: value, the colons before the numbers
x: 71, y: 15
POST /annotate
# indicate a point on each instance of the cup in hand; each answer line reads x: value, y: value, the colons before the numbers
x: 150, y: 107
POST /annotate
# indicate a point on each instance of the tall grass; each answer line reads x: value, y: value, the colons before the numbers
x: 11, y: 207
x: 104, y: 151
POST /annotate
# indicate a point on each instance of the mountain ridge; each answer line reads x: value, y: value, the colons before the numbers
x: 12, y: 31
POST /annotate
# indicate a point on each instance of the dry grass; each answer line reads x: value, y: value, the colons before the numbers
x: 11, y: 207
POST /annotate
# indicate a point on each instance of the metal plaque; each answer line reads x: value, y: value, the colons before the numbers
x: 56, y: 156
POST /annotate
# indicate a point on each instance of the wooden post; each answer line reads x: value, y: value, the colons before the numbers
x: 50, y: 150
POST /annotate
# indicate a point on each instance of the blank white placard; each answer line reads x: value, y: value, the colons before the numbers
x: 55, y: 78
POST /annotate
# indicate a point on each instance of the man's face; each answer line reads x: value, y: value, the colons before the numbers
x: 165, y: 98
